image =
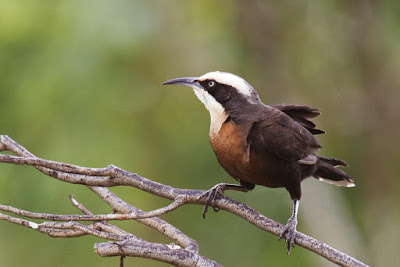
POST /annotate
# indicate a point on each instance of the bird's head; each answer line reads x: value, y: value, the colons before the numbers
x: 220, y: 92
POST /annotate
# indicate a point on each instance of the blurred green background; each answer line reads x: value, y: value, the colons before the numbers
x: 80, y: 83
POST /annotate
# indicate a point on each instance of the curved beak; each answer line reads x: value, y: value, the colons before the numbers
x: 188, y: 81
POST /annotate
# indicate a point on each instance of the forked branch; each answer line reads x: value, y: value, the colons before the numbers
x: 182, y: 252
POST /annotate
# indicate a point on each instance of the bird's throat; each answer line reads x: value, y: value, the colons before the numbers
x: 217, y: 112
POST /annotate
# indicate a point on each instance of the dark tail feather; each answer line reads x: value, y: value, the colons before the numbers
x: 332, y: 161
x: 328, y: 172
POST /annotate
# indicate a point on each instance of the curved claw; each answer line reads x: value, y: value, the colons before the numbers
x: 211, y: 196
x: 290, y: 231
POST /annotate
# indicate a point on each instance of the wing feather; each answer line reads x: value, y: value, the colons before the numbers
x: 284, y: 137
x: 301, y: 114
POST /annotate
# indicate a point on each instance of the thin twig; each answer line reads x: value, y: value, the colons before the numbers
x: 121, y: 261
x: 91, y: 217
x: 79, y: 206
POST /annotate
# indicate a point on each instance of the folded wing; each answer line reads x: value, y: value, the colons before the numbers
x: 284, y: 137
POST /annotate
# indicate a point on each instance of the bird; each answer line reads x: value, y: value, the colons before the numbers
x: 258, y: 144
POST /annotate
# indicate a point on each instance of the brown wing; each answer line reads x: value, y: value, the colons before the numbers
x: 301, y: 114
x: 282, y: 136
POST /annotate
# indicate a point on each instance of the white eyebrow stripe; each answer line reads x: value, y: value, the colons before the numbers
x: 229, y: 79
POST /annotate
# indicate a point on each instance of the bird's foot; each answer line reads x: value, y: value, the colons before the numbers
x: 290, y: 231
x: 211, y: 196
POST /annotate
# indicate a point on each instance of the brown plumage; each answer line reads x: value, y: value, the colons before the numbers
x: 258, y: 144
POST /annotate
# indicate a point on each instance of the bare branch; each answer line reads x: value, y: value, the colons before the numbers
x: 160, y: 252
x: 79, y: 206
x: 185, y: 253
x: 156, y: 223
x: 91, y: 217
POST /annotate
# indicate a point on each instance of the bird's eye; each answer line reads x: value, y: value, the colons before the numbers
x: 211, y: 83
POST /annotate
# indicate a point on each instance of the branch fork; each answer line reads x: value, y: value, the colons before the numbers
x: 184, y: 251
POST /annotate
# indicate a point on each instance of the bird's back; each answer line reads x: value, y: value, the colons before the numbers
x: 243, y: 150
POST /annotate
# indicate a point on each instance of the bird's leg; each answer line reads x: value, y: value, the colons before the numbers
x: 216, y: 192
x: 290, y: 228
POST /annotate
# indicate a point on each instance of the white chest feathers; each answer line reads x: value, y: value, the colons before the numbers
x: 217, y: 112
